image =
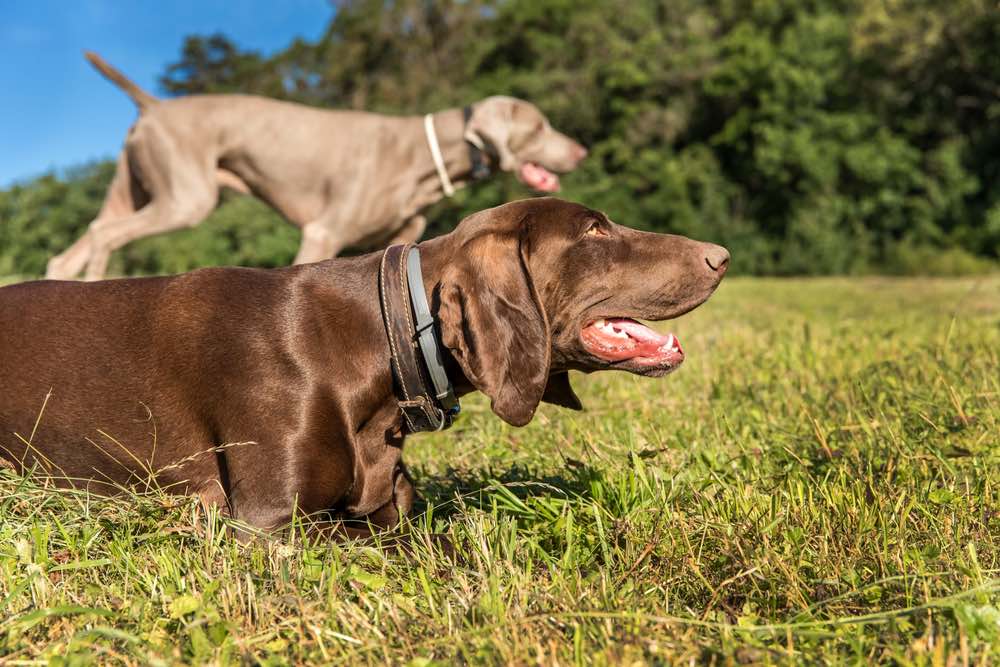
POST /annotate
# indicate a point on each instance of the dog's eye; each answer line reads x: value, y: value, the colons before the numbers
x: 595, y: 229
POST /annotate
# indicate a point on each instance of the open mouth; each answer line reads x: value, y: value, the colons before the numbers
x: 538, y: 177
x: 634, y: 346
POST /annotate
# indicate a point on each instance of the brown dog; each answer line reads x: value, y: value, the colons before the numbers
x: 270, y: 390
x: 346, y: 178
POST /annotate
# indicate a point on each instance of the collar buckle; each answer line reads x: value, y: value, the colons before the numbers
x: 422, y: 416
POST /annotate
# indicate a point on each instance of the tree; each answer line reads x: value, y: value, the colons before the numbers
x: 815, y: 136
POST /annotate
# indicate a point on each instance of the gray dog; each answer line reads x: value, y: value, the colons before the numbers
x: 346, y: 178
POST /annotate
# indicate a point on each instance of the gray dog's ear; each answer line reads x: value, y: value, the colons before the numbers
x: 494, y: 324
x: 492, y: 121
x: 560, y: 392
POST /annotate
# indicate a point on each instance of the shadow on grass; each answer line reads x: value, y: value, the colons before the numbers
x: 447, y: 493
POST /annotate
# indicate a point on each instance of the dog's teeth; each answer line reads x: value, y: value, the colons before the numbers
x: 609, y: 329
x: 669, y: 345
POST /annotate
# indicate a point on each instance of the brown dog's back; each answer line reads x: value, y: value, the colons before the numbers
x: 148, y: 348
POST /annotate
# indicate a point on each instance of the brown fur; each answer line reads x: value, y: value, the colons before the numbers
x: 264, y: 391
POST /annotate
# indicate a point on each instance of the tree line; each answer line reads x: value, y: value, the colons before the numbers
x: 809, y: 136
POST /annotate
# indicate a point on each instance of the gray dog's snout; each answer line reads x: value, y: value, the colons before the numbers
x: 717, y: 258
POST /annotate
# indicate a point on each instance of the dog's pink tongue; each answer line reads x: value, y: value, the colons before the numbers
x: 617, y: 339
x: 539, y: 178
x: 649, y: 342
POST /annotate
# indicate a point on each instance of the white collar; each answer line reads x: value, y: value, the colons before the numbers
x: 432, y: 141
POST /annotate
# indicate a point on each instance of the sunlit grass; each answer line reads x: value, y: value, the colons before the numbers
x: 818, y: 482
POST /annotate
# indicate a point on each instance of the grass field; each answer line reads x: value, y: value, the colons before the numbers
x: 820, y: 482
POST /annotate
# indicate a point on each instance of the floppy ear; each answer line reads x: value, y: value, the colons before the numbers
x: 492, y: 121
x: 493, y: 323
x: 560, y: 392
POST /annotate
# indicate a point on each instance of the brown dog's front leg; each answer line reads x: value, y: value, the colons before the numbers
x: 382, y: 525
x: 389, y: 515
x: 383, y: 522
x: 400, y: 504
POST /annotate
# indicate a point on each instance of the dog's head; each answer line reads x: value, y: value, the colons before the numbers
x: 523, y: 141
x: 541, y: 286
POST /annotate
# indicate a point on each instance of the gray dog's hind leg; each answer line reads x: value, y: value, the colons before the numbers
x: 106, y: 236
x: 162, y: 184
x: 179, y: 178
x: 125, y: 196
x: 69, y: 263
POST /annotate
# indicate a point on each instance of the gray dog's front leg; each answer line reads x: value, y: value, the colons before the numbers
x: 318, y: 243
x: 411, y: 231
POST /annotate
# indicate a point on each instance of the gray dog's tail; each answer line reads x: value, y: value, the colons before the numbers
x: 138, y: 95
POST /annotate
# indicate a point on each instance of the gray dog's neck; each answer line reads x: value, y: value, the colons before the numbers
x: 450, y: 127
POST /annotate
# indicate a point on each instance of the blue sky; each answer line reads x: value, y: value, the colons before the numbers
x: 56, y: 111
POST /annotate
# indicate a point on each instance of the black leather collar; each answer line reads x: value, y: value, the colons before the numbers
x: 480, y: 166
x: 423, y: 391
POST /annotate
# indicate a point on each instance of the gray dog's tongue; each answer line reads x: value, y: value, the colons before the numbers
x: 539, y: 178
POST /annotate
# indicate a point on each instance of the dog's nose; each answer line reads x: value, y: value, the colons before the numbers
x: 717, y: 258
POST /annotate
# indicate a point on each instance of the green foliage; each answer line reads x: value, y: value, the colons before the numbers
x: 817, y: 484
x: 41, y: 218
x: 829, y: 136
